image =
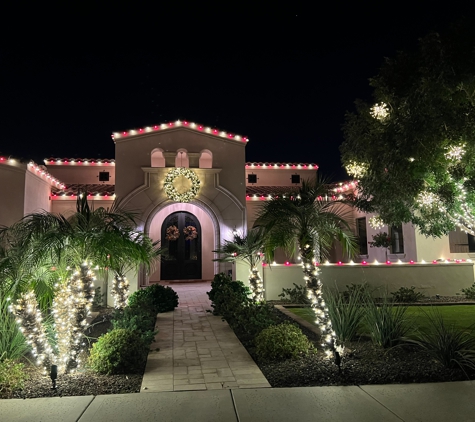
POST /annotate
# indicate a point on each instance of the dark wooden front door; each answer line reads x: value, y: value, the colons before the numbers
x: 181, y: 238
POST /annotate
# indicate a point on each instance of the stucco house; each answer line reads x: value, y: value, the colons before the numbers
x: 143, y: 177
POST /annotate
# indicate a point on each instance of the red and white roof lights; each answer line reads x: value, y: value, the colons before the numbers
x: 39, y: 171
x: 78, y: 162
x: 179, y: 123
x: 288, y: 166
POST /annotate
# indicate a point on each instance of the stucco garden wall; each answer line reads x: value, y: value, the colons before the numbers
x: 430, y: 279
x: 12, y: 188
x: 37, y: 194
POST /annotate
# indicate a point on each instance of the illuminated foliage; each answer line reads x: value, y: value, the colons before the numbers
x: 420, y: 155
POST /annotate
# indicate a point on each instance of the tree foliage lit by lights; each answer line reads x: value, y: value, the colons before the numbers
x: 416, y: 140
x: 247, y: 248
x: 301, y: 219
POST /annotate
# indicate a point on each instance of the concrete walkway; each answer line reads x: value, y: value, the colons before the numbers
x: 376, y: 403
x: 197, y: 351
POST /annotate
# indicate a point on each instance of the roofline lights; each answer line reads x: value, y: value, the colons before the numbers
x: 78, y: 162
x: 179, y: 123
x: 286, y: 166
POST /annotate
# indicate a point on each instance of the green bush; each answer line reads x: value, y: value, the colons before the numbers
x: 156, y: 297
x: 386, y: 323
x: 447, y: 344
x: 282, y: 341
x: 12, y: 342
x: 227, y: 296
x: 142, y: 321
x: 346, y: 312
x: 469, y: 292
x: 361, y: 290
x: 254, y: 317
x: 119, y: 351
x: 407, y: 295
x: 297, y: 294
x: 12, y: 377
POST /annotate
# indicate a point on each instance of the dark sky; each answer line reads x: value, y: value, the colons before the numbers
x: 283, y: 76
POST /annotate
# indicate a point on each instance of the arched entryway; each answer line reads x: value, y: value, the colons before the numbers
x: 181, y: 239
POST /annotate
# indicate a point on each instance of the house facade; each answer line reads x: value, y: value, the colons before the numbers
x: 191, y: 188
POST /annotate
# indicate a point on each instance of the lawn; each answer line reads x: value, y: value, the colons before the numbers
x: 463, y: 316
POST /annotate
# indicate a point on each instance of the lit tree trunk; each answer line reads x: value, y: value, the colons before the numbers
x: 257, y: 287
x: 315, y: 294
x: 120, y: 290
x: 30, y: 320
x: 71, y: 307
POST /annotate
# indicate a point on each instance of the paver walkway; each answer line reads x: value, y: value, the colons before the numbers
x: 197, y: 351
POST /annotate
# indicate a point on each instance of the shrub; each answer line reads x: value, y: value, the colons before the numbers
x: 347, y: 311
x: 254, y: 317
x: 12, y: 342
x: 447, y: 344
x: 135, y: 319
x: 469, y: 292
x: 156, y: 297
x: 386, y: 323
x: 119, y: 351
x: 12, y: 376
x: 297, y: 294
x: 227, y: 295
x: 282, y: 341
x: 407, y: 295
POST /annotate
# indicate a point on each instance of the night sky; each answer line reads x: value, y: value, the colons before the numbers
x: 284, y: 77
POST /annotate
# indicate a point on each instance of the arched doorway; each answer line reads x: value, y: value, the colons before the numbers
x: 181, y: 239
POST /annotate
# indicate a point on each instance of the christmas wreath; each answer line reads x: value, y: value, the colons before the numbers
x: 190, y: 233
x: 172, y: 192
x: 172, y: 233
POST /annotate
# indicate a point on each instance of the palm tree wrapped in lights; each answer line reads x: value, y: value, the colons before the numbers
x: 247, y: 248
x: 306, y: 219
x: 107, y: 238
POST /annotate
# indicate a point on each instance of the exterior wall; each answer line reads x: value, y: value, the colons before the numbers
x: 430, y: 279
x: 12, y: 192
x: 37, y: 194
x: 270, y: 176
x: 208, y: 267
x: 81, y: 174
x: 68, y: 206
x: 220, y: 203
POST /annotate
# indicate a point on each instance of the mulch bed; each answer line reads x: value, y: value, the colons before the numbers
x: 363, y: 364
x: 83, y: 382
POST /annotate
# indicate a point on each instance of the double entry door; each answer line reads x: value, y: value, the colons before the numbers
x: 181, y: 239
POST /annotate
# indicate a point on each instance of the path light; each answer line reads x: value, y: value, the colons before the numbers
x: 54, y: 376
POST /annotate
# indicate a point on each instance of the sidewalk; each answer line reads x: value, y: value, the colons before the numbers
x: 410, y: 402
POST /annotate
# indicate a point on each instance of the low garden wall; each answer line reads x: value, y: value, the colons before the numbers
x: 430, y: 279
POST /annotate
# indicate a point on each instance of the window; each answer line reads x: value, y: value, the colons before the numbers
x: 157, y: 158
x: 295, y: 178
x: 397, y: 239
x: 206, y: 160
x: 252, y: 178
x: 461, y: 242
x: 103, y: 176
x: 362, y: 236
x: 471, y: 243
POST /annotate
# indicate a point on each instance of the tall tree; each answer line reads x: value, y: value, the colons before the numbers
x: 413, y: 148
x: 305, y: 220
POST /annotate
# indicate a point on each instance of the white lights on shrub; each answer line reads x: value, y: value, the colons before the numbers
x: 173, y: 193
x: 455, y: 152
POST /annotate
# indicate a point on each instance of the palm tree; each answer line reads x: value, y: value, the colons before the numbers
x: 304, y: 219
x: 105, y: 237
x: 248, y: 249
